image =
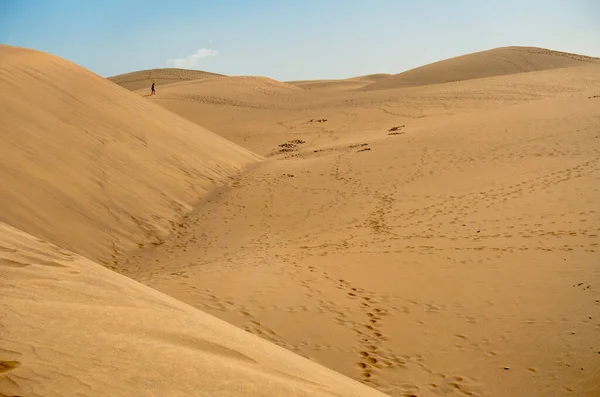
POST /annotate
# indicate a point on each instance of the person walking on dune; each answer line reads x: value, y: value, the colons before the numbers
x: 153, y: 92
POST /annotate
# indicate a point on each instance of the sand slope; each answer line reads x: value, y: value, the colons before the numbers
x: 263, y: 118
x: 95, y: 168
x: 237, y: 103
x: 428, y: 240
x: 71, y: 327
x: 340, y: 84
x: 496, y: 62
x: 143, y: 79
x: 241, y: 91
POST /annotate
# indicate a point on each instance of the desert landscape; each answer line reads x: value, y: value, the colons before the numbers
x: 432, y: 232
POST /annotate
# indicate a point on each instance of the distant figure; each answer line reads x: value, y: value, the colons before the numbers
x: 153, y: 92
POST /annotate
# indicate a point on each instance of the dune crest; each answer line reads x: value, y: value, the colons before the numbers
x: 251, y: 92
x: 144, y: 78
x: 333, y: 85
x: 495, y: 62
x: 94, y: 168
x: 248, y: 81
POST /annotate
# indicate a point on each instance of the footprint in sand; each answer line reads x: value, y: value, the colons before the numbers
x: 6, y: 366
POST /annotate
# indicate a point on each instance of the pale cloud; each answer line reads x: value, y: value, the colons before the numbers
x: 192, y: 59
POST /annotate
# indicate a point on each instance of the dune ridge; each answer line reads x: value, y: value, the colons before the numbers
x: 489, y: 63
x: 340, y: 84
x: 253, y: 92
x: 97, y: 168
x: 144, y: 78
x: 94, y: 168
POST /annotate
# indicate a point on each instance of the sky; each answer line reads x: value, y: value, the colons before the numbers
x: 291, y: 40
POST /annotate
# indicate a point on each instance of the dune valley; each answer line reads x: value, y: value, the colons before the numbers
x: 427, y: 233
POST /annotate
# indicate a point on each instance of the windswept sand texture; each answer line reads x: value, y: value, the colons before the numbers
x: 94, y: 168
x: 437, y: 239
x: 433, y: 240
x: 73, y: 328
x: 143, y: 79
x: 339, y: 85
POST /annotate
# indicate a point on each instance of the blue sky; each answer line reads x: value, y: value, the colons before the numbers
x: 285, y: 39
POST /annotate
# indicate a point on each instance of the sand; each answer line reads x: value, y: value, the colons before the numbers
x: 71, y: 327
x: 496, y: 62
x: 145, y: 78
x: 340, y: 85
x: 432, y: 239
x: 94, y: 168
x: 420, y: 240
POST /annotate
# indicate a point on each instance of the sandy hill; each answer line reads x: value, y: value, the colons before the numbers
x: 371, y: 78
x: 252, y: 92
x: 144, y: 78
x: 261, y: 119
x: 97, y: 168
x: 429, y: 240
x: 238, y: 102
x: 234, y: 87
x: 495, y: 62
x: 71, y: 327
x: 94, y: 168
x: 339, y: 84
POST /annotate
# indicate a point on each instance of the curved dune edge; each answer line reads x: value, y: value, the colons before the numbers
x: 249, y: 92
x: 339, y: 84
x: 495, y: 62
x: 144, y: 78
x: 72, y: 327
x: 240, y: 85
x: 94, y: 168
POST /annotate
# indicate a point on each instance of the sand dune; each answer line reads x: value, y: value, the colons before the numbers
x: 371, y: 78
x: 238, y: 102
x: 426, y: 240
x: 143, y: 79
x: 232, y: 90
x: 434, y: 239
x: 496, y: 62
x: 71, y: 327
x: 261, y: 120
x: 94, y: 168
x: 341, y: 84
x: 458, y: 256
